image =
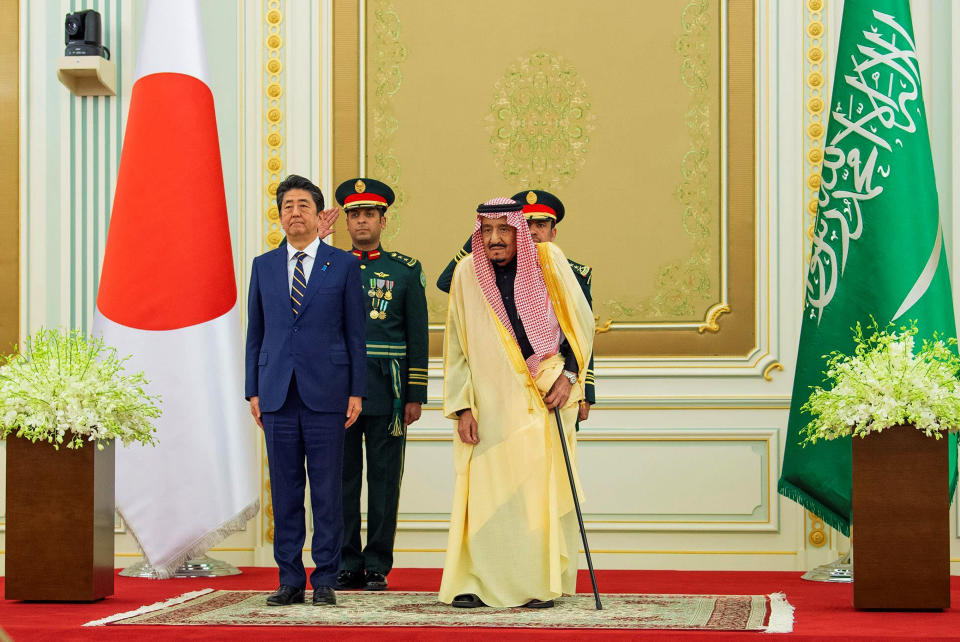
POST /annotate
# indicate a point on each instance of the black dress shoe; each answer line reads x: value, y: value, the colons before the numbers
x: 286, y: 595
x: 467, y: 601
x: 324, y: 595
x: 375, y: 581
x: 350, y: 580
x: 539, y: 604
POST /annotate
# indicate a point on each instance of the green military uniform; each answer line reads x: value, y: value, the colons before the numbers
x: 539, y: 205
x: 397, y: 352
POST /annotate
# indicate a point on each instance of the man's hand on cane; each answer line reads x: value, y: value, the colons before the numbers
x: 467, y: 427
x: 559, y: 393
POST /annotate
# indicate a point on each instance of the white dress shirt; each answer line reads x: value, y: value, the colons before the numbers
x: 311, y: 251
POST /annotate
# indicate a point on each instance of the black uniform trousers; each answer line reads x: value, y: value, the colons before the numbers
x: 384, y: 472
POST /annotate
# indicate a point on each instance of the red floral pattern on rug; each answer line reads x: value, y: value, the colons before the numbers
x: 394, y: 608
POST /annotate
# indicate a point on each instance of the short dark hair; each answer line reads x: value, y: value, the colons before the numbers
x: 553, y: 221
x: 299, y: 182
x: 379, y: 208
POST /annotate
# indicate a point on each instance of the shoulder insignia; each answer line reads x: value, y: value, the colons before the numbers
x: 579, y: 268
x: 403, y: 259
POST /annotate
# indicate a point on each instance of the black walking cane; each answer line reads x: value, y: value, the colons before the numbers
x: 576, y: 504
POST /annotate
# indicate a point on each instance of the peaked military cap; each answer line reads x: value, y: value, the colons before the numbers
x: 364, y: 192
x: 539, y: 205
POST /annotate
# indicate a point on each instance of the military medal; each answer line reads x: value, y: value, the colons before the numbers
x: 383, y: 315
x: 388, y: 295
x: 371, y: 293
x: 373, y: 314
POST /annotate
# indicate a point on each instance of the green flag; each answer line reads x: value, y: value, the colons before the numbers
x: 878, y: 244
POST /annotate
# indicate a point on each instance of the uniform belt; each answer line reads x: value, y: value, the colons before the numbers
x: 391, y: 350
x: 386, y: 349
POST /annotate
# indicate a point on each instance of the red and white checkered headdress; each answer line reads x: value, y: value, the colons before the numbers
x: 530, y: 291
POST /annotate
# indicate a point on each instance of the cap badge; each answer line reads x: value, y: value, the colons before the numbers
x: 360, y: 186
x: 531, y: 198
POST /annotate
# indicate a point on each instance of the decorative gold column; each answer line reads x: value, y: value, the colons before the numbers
x: 10, y: 177
x: 274, y: 78
x: 273, y: 128
x: 815, y: 72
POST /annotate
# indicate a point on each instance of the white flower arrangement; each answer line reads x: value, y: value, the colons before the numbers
x: 64, y: 387
x: 885, y: 383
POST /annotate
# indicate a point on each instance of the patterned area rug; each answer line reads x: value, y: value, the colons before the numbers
x: 402, y: 609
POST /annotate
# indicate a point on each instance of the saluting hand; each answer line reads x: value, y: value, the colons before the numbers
x: 354, y: 406
x: 327, y: 218
x: 467, y: 427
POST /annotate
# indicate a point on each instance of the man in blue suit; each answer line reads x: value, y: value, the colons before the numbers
x: 305, y: 372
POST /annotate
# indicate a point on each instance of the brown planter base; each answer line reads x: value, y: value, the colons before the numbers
x: 901, y: 531
x: 60, y: 520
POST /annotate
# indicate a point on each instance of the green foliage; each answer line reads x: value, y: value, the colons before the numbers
x: 67, y: 388
x: 885, y: 383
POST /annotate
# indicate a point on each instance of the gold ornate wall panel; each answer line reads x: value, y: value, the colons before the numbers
x: 636, y: 138
x: 346, y: 101
x: 10, y: 178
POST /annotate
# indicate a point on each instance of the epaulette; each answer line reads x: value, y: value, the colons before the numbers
x: 403, y: 259
x: 580, y: 268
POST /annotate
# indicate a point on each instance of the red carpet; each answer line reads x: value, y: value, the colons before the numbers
x: 823, y: 611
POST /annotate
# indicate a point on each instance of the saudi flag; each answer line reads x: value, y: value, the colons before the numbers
x: 878, y: 243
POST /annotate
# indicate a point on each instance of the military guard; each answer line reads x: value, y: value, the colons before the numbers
x: 394, y: 289
x: 543, y: 212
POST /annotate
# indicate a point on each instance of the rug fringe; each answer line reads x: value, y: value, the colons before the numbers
x: 156, y: 606
x: 781, y: 614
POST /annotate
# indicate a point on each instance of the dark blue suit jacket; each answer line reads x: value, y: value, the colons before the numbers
x: 325, y: 345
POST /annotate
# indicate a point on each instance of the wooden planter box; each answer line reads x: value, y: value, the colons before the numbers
x: 60, y: 521
x: 901, y: 532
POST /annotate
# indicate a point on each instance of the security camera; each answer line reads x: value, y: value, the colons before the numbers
x: 83, y: 35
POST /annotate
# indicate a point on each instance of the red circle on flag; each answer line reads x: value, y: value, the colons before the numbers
x: 168, y: 262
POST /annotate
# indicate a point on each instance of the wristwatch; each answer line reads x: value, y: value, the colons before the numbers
x: 571, y: 377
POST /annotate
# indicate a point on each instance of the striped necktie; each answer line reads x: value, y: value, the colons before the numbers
x: 299, y: 283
